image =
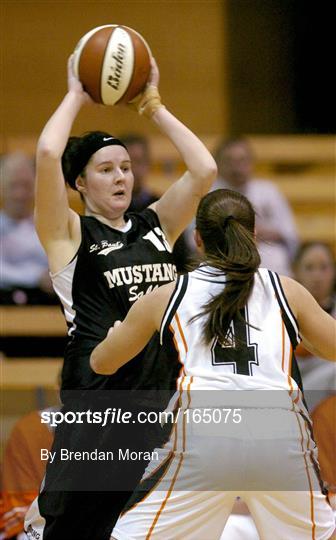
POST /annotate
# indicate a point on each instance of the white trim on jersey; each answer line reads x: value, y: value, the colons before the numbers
x: 127, y: 227
x: 182, y: 283
x: 208, y: 273
x: 62, y: 282
x: 284, y: 304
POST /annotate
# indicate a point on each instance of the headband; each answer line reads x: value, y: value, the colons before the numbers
x: 85, y: 147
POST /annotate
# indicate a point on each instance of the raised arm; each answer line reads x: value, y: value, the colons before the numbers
x: 125, y: 340
x: 178, y: 205
x: 57, y: 225
x: 317, y: 327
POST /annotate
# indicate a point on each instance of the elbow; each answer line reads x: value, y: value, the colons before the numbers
x: 46, y: 151
x: 94, y: 364
x: 208, y: 175
x: 99, y: 366
x: 212, y: 170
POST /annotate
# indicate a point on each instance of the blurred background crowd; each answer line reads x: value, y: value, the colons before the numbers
x: 257, y: 92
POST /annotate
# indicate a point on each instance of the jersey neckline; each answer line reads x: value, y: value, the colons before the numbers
x: 125, y: 229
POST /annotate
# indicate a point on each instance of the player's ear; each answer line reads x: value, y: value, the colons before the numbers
x: 80, y: 184
x: 198, y: 241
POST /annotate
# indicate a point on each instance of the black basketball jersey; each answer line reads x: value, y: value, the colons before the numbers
x: 110, y: 271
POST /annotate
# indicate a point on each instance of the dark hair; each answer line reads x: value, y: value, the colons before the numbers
x: 225, y: 221
x: 305, y: 246
x: 79, y: 150
x: 130, y: 139
x: 225, y: 144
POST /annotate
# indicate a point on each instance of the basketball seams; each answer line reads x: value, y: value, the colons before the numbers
x: 117, y: 66
x: 91, y: 61
x: 113, y: 63
x: 127, y: 95
x: 80, y: 46
x: 141, y: 60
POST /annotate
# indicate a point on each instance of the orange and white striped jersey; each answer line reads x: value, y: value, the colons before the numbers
x: 262, y: 452
x: 260, y: 355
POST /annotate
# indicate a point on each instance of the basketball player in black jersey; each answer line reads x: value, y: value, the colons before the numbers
x: 100, y: 264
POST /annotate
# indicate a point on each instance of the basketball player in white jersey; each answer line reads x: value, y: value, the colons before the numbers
x: 234, y: 326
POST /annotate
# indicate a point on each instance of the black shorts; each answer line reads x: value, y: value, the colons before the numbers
x: 82, y: 498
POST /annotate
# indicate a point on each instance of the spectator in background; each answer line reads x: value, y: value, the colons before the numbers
x: 24, y: 277
x: 276, y: 231
x: 314, y: 268
x: 23, y: 471
x: 138, y: 149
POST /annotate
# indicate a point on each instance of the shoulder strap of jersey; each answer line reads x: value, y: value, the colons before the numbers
x: 173, y: 304
x: 287, y: 315
x: 149, y: 215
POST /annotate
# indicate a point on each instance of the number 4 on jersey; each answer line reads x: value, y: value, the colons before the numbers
x: 240, y: 353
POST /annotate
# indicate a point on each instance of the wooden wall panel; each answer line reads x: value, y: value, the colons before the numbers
x: 187, y: 38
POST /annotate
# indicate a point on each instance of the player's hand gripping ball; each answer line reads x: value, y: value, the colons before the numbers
x: 113, y: 64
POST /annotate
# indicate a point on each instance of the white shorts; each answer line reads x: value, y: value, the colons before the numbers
x: 240, y: 527
x: 188, y: 491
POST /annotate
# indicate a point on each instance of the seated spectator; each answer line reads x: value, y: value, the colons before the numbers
x: 314, y: 268
x: 275, y: 227
x: 138, y: 149
x: 24, y: 277
x: 23, y: 471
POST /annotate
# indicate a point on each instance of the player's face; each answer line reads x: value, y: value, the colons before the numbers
x: 316, y: 272
x: 108, y: 182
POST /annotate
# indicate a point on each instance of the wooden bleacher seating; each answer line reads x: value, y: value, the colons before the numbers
x: 28, y: 383
x: 302, y: 166
x: 30, y: 373
x: 32, y: 321
x: 19, y: 374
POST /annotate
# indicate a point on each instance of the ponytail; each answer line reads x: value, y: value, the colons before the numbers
x: 225, y: 221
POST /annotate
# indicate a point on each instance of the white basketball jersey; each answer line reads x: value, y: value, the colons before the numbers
x: 265, y: 362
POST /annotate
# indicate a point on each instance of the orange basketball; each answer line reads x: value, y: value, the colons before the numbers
x: 113, y: 63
